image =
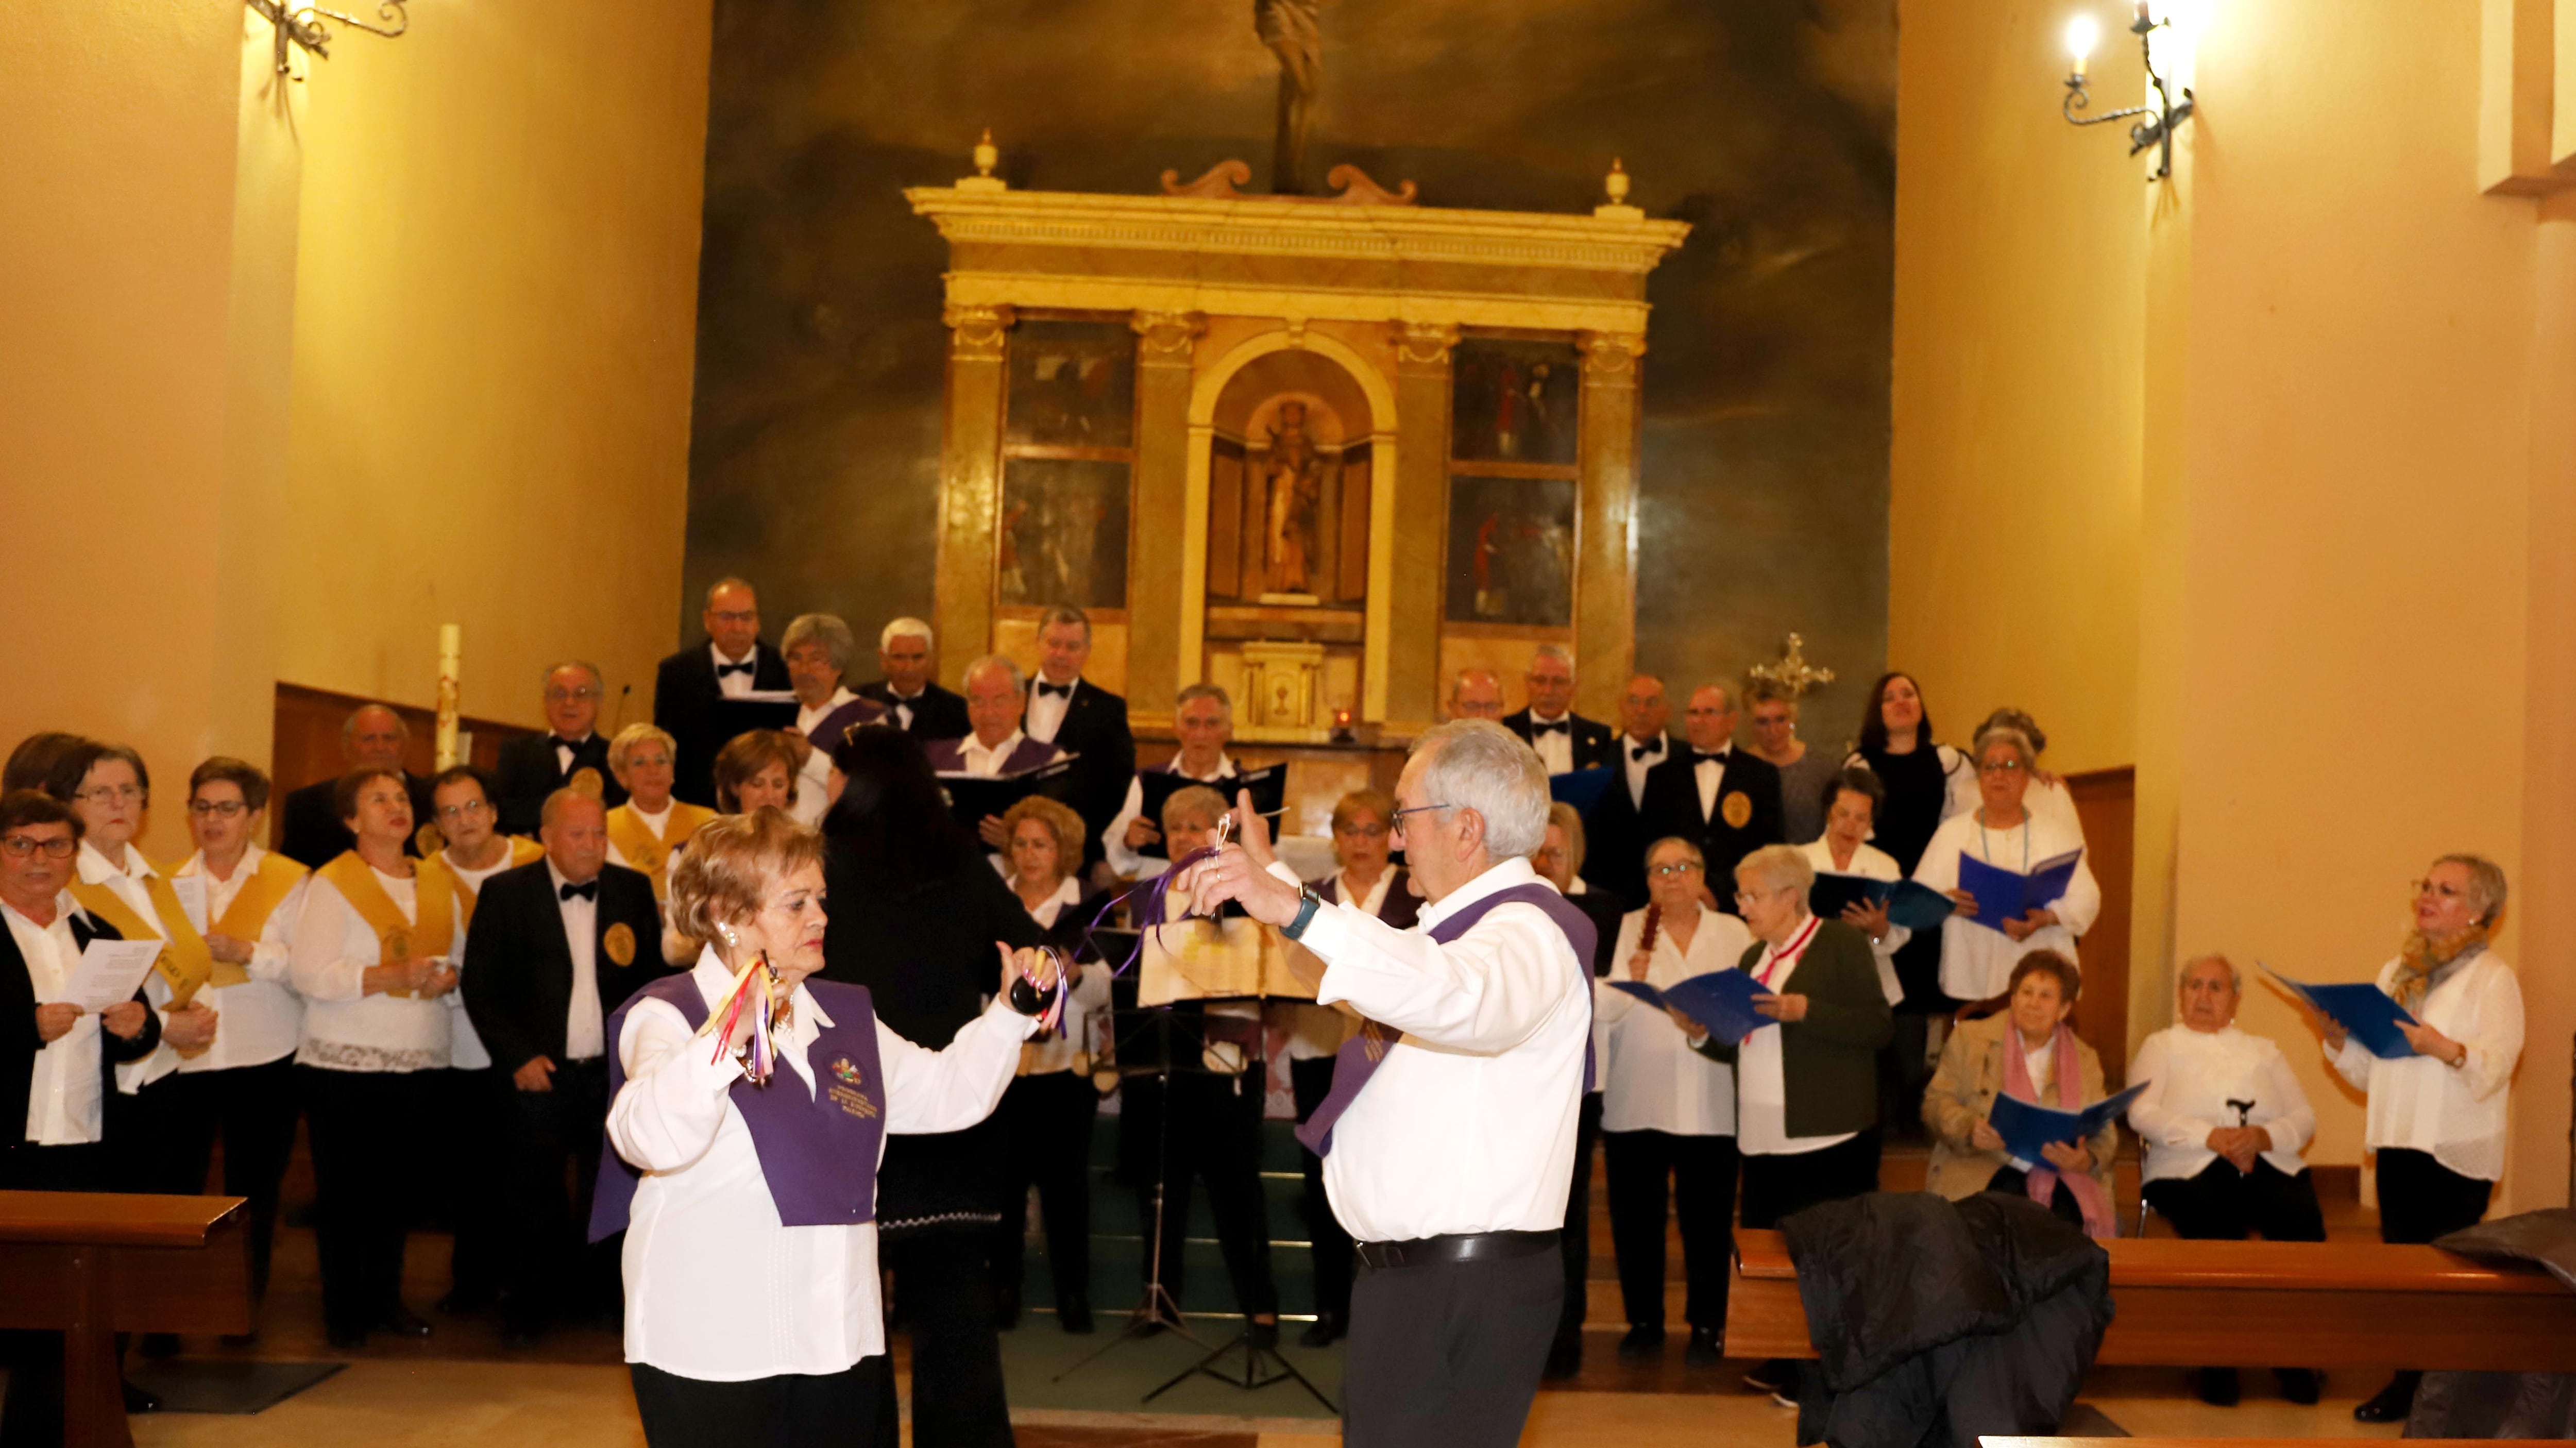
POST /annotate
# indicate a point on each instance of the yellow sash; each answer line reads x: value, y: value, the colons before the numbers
x: 258, y: 898
x: 185, y: 961
x: 648, y: 852
x: 397, y: 939
x: 522, y: 852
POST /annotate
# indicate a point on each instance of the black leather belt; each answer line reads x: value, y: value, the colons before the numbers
x: 1455, y: 1249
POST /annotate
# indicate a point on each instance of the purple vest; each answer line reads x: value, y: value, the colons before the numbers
x: 1362, y: 1054
x: 948, y: 756
x: 827, y: 731
x: 818, y: 1153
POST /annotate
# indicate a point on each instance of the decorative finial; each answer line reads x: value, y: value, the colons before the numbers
x: 987, y: 156
x: 1615, y: 186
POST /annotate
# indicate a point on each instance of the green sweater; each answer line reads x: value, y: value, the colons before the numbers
x: 1828, y: 1061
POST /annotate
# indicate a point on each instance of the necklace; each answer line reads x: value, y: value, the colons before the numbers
x: 1986, y: 847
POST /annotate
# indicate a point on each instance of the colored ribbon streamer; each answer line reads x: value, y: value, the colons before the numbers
x: 760, y: 1054
x: 1151, y: 912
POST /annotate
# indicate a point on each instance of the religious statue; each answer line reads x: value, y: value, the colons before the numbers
x: 1293, y: 29
x: 1293, y: 482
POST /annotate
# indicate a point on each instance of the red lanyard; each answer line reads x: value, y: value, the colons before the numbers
x: 1782, y: 961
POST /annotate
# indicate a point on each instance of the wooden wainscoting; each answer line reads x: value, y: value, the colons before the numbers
x: 307, y: 746
x: 2107, y: 800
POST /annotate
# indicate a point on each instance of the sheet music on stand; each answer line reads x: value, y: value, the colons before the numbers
x: 1196, y: 958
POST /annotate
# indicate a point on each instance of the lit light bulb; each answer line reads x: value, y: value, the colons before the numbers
x: 2081, y: 32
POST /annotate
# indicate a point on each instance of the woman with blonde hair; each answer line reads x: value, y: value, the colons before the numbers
x: 651, y: 827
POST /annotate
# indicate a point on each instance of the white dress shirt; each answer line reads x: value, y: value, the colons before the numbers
x: 126, y: 882
x: 716, y: 1288
x: 1635, y: 768
x: 1710, y: 773
x: 1046, y: 711
x: 2419, y: 1104
x: 734, y: 686
x: 567, y: 750
x: 1976, y: 959
x: 1761, y: 1082
x: 1651, y: 1079
x: 2190, y: 1076
x: 345, y: 1029
x: 902, y: 706
x: 64, y: 1099
x: 814, y: 781
x: 1316, y: 1032
x: 261, y: 1019
x: 1870, y: 863
x: 1468, y: 1125
x: 975, y: 758
x: 466, y: 1051
x: 1129, y: 864
x: 585, y: 1031
x: 1555, y: 748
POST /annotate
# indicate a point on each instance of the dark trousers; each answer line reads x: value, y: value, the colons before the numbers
x: 1448, y: 1354
x: 1575, y: 1246
x: 818, y: 1409
x: 1214, y: 1135
x: 2012, y: 1181
x: 2421, y: 1199
x: 944, y: 1280
x: 1046, y: 1144
x: 549, y: 1269
x: 253, y: 1109
x: 1782, y: 1186
x: 471, y: 1179
x: 32, y: 1414
x: 2222, y: 1204
x: 1702, y: 1171
x: 373, y: 1132
x: 146, y: 1126
x: 1329, y: 1245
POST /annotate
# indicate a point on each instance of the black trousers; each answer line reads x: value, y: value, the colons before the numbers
x: 1575, y: 1246
x: 253, y: 1109
x: 2421, y: 1199
x: 144, y: 1127
x: 374, y: 1133
x: 1046, y: 1144
x: 550, y: 1164
x: 2012, y: 1181
x: 1329, y: 1245
x: 943, y: 1276
x: 1448, y: 1354
x: 2222, y: 1204
x: 1702, y: 1172
x: 1782, y: 1186
x: 32, y: 1414
x: 798, y: 1408
x: 471, y: 1178
x: 1214, y: 1135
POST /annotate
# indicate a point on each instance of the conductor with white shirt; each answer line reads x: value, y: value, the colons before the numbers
x: 752, y: 1306
x: 1449, y: 1135
x: 1203, y: 721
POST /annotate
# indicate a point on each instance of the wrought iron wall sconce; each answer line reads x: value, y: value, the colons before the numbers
x: 2161, y: 119
x: 309, y: 26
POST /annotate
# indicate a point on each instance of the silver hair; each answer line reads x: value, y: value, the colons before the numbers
x: 1204, y: 691
x: 905, y: 628
x: 585, y: 665
x: 2486, y: 884
x: 729, y: 581
x: 1019, y: 681
x: 1558, y: 652
x: 2013, y: 739
x: 1478, y: 764
x: 1782, y: 867
x: 825, y: 629
x: 2235, y: 977
x: 349, y: 726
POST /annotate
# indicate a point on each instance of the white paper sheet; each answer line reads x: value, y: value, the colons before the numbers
x: 191, y: 890
x: 110, y: 971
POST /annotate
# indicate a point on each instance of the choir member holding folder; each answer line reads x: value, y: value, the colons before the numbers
x: 1203, y: 722
x: 2437, y: 1116
x: 2030, y: 1050
x: 1668, y: 1112
x: 1978, y: 953
x: 998, y: 749
x: 1850, y: 803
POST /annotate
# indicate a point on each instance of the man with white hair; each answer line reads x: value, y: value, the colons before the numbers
x: 533, y: 766
x: 995, y: 698
x: 1448, y: 1139
x: 924, y: 710
x: 1203, y: 722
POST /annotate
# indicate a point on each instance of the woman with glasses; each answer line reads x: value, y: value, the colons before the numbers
x: 1977, y: 955
x: 2436, y: 1118
x: 1668, y: 1112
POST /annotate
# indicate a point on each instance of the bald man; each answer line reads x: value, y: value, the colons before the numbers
x: 1476, y: 694
x: 690, y: 687
x: 309, y: 831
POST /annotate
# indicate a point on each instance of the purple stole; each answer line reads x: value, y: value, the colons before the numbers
x: 818, y: 1153
x: 948, y: 756
x: 1362, y: 1054
x: 828, y: 731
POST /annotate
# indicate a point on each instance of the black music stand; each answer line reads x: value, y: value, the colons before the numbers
x: 1160, y: 1310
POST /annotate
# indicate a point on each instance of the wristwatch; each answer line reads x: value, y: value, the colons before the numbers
x: 1308, y: 902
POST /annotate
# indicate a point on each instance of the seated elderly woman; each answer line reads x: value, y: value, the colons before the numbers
x: 646, y: 831
x: 2224, y: 1120
x: 759, y: 770
x: 749, y: 1208
x: 2003, y: 831
x: 2030, y: 1050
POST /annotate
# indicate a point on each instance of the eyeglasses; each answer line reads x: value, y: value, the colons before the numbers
x: 467, y: 810
x: 2002, y: 766
x: 220, y: 808
x: 22, y: 846
x: 1678, y: 867
x: 1365, y: 832
x: 2433, y: 887
x: 1418, y: 809
x: 738, y: 615
x: 110, y: 794
x: 565, y: 696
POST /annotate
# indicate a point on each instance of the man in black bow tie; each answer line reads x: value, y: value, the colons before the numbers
x: 1565, y: 740
x: 691, y: 686
x: 921, y: 708
x: 536, y: 765
x: 553, y: 947
x: 1615, y: 861
x: 1718, y: 797
x: 1082, y: 719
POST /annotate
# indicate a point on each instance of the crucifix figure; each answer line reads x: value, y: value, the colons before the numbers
x: 1791, y: 670
x: 1294, y: 31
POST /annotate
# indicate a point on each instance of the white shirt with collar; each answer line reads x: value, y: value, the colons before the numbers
x: 1710, y: 772
x: 975, y: 758
x: 1761, y: 1082
x: 259, y: 1020
x: 585, y: 1030
x: 1869, y: 862
x: 814, y: 781
x: 566, y: 750
x: 716, y: 1288
x: 902, y: 704
x: 1468, y: 1125
x: 1316, y: 1033
x: 1129, y: 864
x: 1651, y: 1079
x: 2458, y: 1114
x: 735, y: 685
x: 65, y: 1102
x: 659, y: 824
x: 126, y: 882
x: 1555, y: 748
x: 2191, y: 1076
x: 1046, y: 711
x: 1634, y: 768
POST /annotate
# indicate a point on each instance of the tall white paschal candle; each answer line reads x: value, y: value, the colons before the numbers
x: 451, y: 650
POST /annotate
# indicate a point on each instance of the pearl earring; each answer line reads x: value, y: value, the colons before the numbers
x: 727, y: 932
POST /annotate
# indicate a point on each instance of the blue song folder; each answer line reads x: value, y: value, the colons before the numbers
x: 1916, y: 907
x: 2365, y: 1011
x: 1582, y: 788
x: 2026, y: 1128
x: 2006, y: 895
x: 1721, y: 1000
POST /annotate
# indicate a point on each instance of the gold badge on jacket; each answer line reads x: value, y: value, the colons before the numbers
x: 395, y: 947
x: 585, y: 782
x: 1736, y: 809
x: 619, y: 942
x: 429, y: 840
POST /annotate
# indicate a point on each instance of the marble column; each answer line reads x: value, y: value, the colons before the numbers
x: 1421, y: 510
x: 970, y: 485
x: 1605, y: 567
x: 1157, y: 570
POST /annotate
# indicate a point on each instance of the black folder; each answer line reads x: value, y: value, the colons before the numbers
x: 972, y: 797
x: 1269, y: 786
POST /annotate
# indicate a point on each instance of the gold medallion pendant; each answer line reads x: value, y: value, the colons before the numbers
x: 1736, y: 809
x: 619, y: 942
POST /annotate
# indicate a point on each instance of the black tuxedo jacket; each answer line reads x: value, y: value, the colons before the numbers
x: 531, y: 769
x: 1672, y: 808
x: 517, y: 979
x: 685, y: 696
x: 19, y: 1041
x: 1095, y: 727
x: 1592, y: 738
x: 937, y: 714
x: 309, y: 831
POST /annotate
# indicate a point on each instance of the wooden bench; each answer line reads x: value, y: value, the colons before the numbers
x: 91, y: 1265
x: 2183, y: 1304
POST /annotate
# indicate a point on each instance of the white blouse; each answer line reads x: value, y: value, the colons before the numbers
x: 126, y: 882
x: 64, y: 1102
x: 1084, y: 1010
x: 814, y: 777
x: 262, y: 1018
x: 1976, y: 958
x: 1651, y: 1079
x: 716, y: 1287
x: 2419, y: 1104
x: 2190, y: 1078
x: 345, y: 1029
x: 1869, y: 862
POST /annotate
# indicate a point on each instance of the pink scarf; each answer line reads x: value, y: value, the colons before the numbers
x: 2043, y: 1178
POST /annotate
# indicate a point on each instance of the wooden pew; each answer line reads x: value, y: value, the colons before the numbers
x: 2183, y: 1304
x: 94, y: 1264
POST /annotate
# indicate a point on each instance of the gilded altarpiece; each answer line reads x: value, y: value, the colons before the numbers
x: 1362, y: 443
